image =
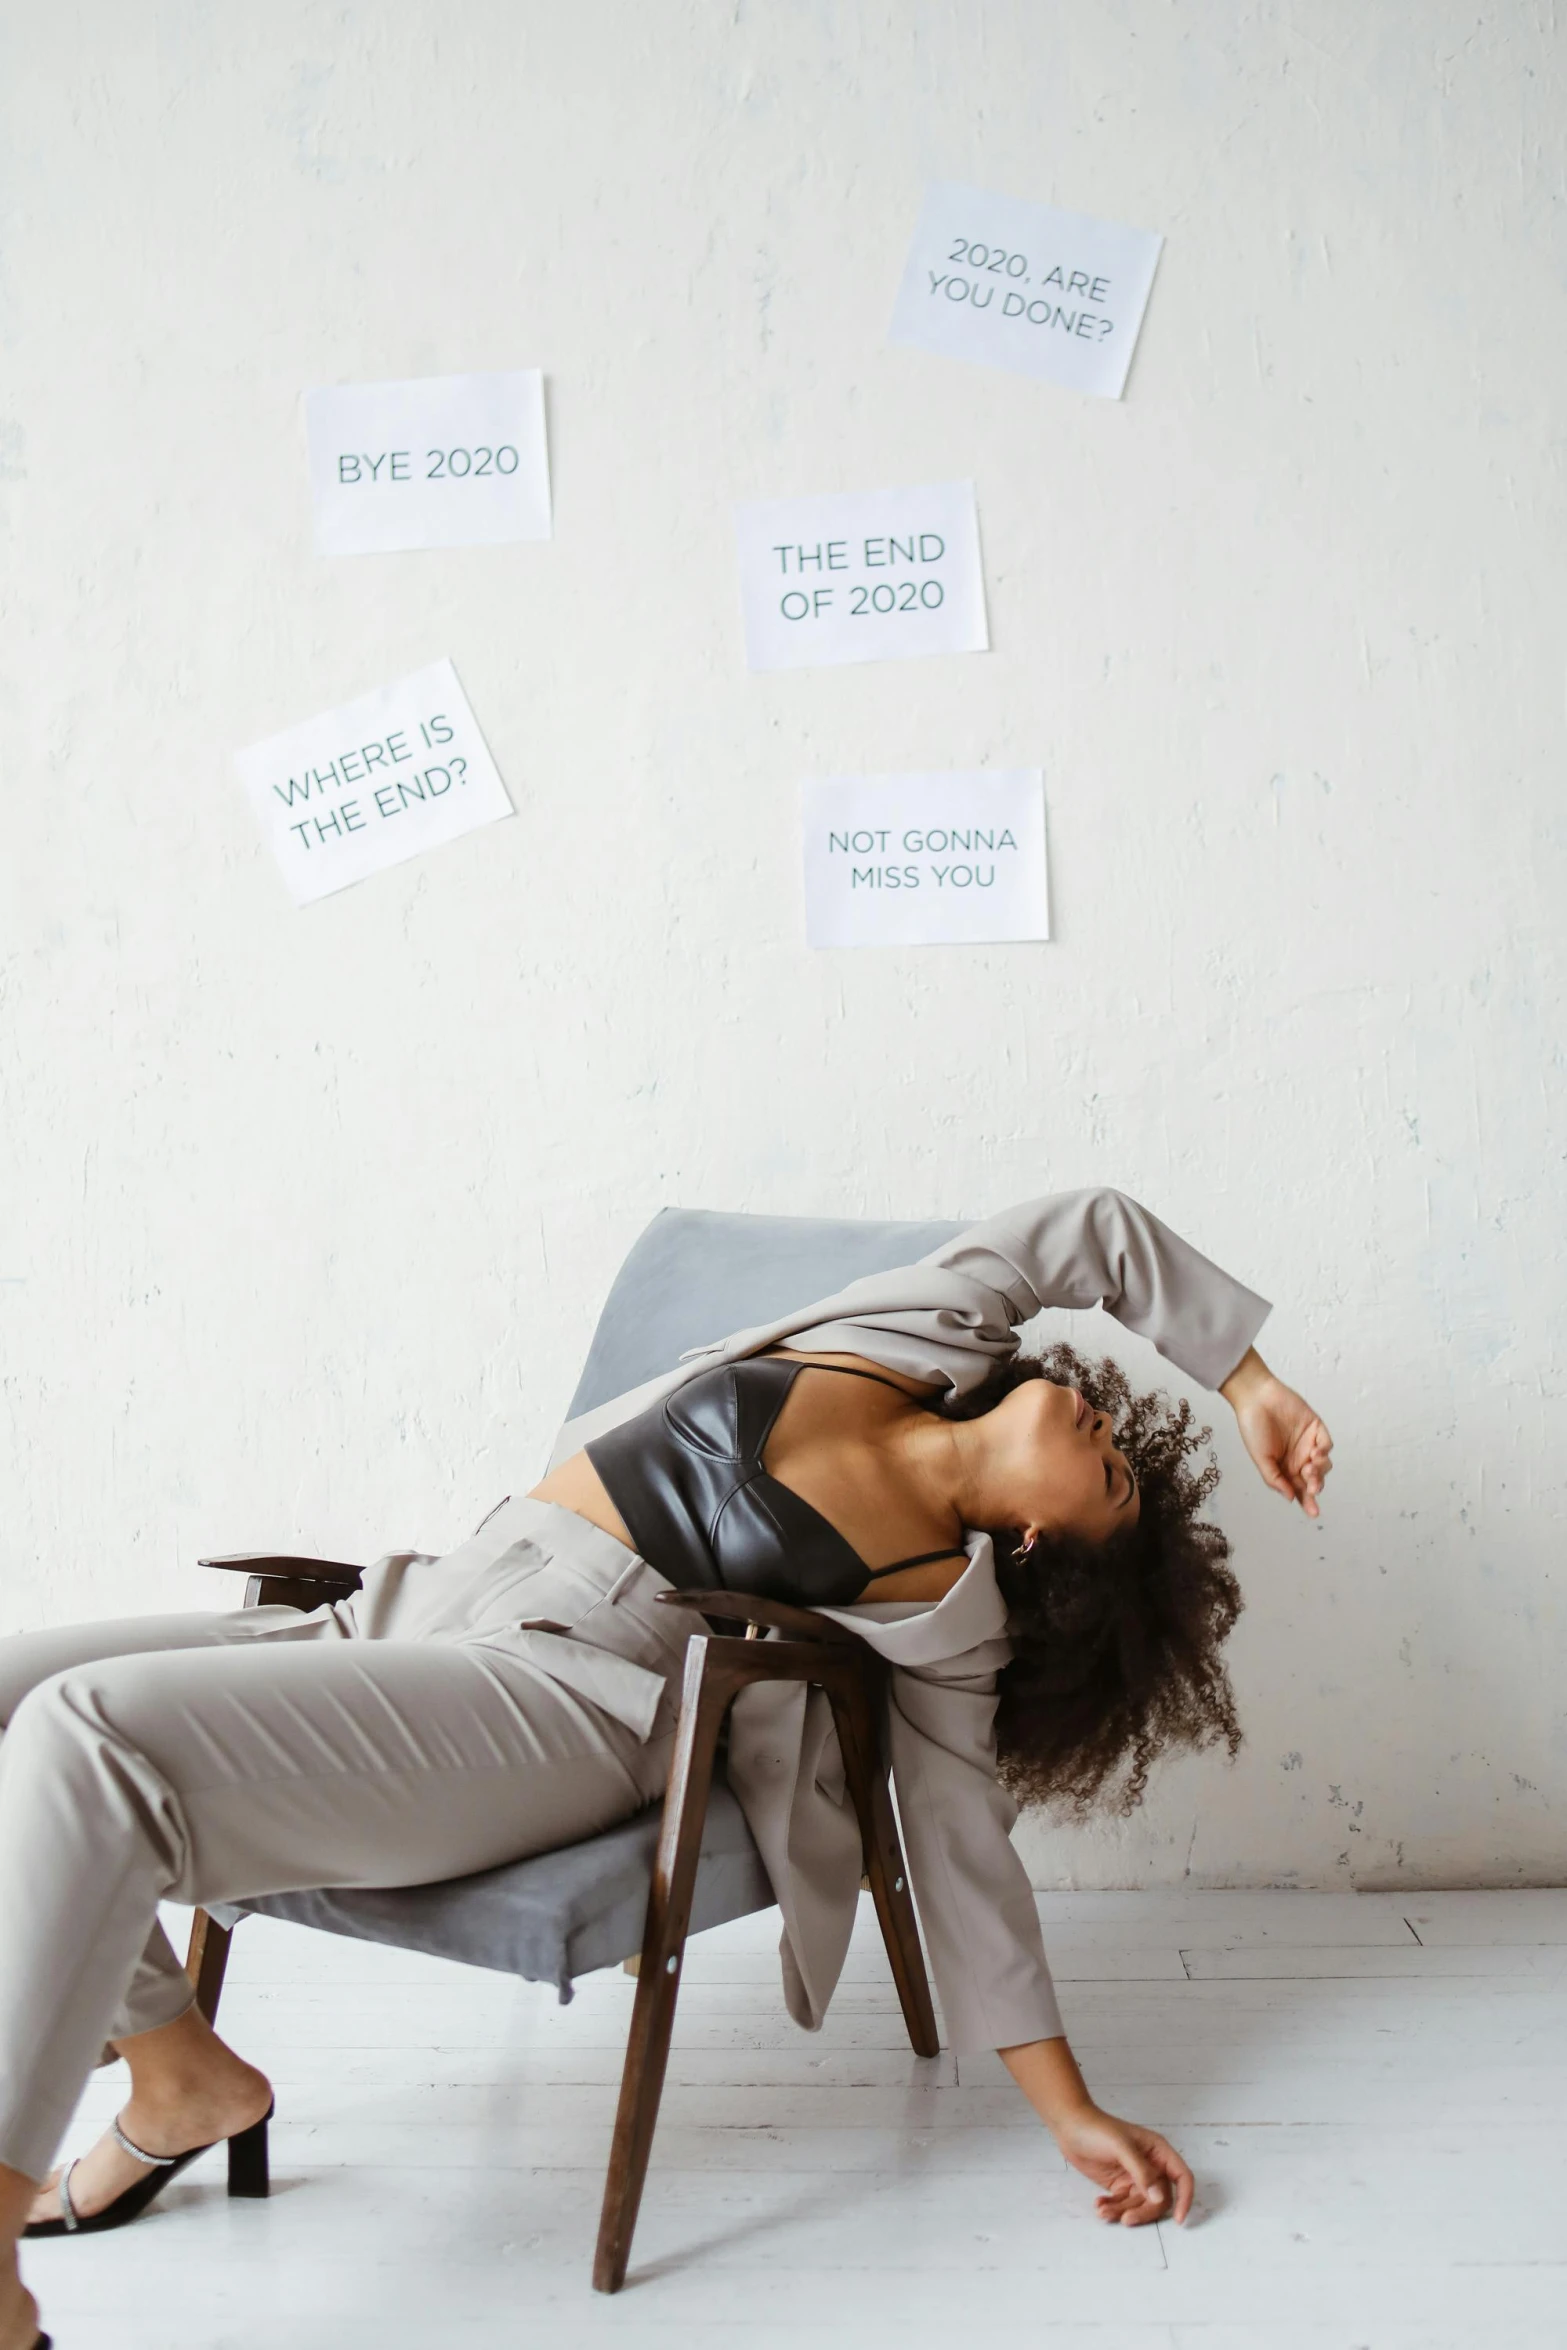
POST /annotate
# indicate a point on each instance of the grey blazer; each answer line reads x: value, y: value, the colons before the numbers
x: 950, y: 1319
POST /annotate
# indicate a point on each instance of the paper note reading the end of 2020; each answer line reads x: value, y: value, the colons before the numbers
x: 875, y: 575
x: 398, y: 771
x: 1022, y: 286
x: 927, y: 859
x: 437, y: 461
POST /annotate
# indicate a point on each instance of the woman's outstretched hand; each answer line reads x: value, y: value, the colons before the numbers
x: 1280, y: 1430
x: 1139, y: 2175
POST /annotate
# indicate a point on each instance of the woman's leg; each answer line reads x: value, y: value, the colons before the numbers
x: 158, y: 1989
x: 188, y: 2087
x: 18, y: 2310
x: 256, y: 1767
x: 159, y: 1984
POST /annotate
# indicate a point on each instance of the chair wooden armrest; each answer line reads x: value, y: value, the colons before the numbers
x: 773, y: 1615
x: 265, y: 1562
x: 279, y: 1580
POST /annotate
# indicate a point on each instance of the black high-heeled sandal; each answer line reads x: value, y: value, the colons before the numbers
x: 248, y: 2175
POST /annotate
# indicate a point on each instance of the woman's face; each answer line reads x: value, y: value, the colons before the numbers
x: 1055, y: 1465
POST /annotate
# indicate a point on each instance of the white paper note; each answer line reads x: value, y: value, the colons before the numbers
x: 439, y: 461
x: 398, y: 771
x: 1020, y: 285
x: 878, y: 575
x: 926, y: 860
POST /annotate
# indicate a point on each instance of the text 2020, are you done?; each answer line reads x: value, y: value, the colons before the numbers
x: 1022, y: 286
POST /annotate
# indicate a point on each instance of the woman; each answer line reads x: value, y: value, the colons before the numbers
x: 1020, y: 1541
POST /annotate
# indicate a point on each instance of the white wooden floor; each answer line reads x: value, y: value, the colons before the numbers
x: 1371, y: 2091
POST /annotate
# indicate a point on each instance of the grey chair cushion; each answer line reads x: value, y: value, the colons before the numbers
x: 559, y: 1915
x: 694, y: 1276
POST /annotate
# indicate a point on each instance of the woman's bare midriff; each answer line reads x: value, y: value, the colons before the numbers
x: 824, y: 1448
x: 577, y: 1485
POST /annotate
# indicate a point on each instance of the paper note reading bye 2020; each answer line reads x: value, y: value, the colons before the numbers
x: 1020, y: 285
x: 437, y: 461
x: 926, y: 860
x: 878, y: 575
x: 347, y: 794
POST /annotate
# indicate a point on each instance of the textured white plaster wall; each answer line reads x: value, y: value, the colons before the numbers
x: 307, y: 1215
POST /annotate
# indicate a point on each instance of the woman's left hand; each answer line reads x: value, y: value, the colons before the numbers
x: 1139, y: 2174
x: 1285, y: 1437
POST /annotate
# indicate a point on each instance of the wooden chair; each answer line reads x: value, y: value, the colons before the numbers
x: 689, y: 1275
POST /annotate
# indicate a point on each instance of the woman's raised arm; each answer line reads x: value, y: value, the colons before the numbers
x: 1099, y: 1248
x: 1088, y: 1248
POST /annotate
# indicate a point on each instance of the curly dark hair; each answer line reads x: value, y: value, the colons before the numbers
x: 1116, y: 1643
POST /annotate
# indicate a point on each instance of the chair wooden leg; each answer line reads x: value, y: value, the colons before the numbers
x: 206, y: 1961
x: 855, y: 1715
x: 705, y: 1700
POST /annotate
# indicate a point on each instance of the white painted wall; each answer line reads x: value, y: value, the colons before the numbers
x: 308, y: 1215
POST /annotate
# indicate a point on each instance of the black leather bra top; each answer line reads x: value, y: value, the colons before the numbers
x: 686, y: 1476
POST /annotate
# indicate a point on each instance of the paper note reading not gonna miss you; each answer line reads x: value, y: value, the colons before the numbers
x: 939, y: 859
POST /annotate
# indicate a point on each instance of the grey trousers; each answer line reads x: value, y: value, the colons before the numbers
x: 460, y: 1712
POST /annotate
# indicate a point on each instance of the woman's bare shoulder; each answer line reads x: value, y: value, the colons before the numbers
x: 860, y: 1366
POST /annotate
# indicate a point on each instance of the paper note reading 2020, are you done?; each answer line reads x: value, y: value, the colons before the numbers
x: 371, y: 784
x: 876, y: 575
x: 436, y: 461
x: 1022, y: 286
x: 926, y: 860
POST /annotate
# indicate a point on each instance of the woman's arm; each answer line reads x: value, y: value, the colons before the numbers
x: 982, y: 1929
x: 1100, y: 1248
x: 951, y: 1318
x: 972, y: 1891
x: 1139, y: 2174
x: 1085, y: 1248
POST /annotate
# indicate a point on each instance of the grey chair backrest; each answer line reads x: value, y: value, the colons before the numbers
x: 696, y: 1274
